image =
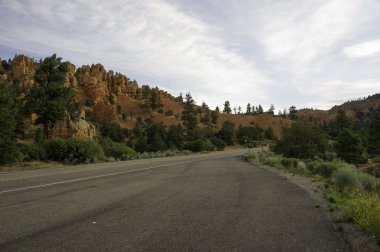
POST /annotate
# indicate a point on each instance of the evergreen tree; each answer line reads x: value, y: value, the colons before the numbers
x: 293, y: 113
x: 146, y: 93
x: 271, y: 109
x: 249, y: 109
x: 206, y: 118
x: 284, y: 113
x: 155, y: 99
x: 205, y: 107
x: 302, y: 140
x: 374, y: 135
x: 214, y: 116
x: 189, y: 114
x: 175, y: 137
x: 248, y: 134
x: 226, y: 133
x: 269, y: 134
x: 8, y: 112
x: 349, y: 147
x: 227, y: 108
x: 50, y: 99
x: 341, y: 122
x: 260, y: 109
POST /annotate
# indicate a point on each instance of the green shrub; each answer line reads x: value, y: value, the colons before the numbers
x: 367, y: 181
x: 218, y: 143
x: 326, y: 169
x: 347, y: 177
x: 83, y: 151
x: 117, y: 150
x: 55, y: 149
x: 364, y: 210
x: 274, y: 161
x: 199, y: 146
x: 289, y: 162
x: 351, y: 178
x: 250, y: 156
x: 263, y: 157
x: 73, y: 151
x: 32, y: 152
x: 251, y: 144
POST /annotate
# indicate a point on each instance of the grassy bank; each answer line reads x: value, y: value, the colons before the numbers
x: 352, y: 192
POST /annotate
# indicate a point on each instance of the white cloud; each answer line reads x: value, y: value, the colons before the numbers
x: 243, y: 51
x: 364, y: 49
x: 297, y: 33
x: 326, y: 95
x: 150, y: 38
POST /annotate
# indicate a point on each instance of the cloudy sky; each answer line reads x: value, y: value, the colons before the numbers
x: 307, y: 53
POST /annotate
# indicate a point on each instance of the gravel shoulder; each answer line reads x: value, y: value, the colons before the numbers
x: 358, y: 240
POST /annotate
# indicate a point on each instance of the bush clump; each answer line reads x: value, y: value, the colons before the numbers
x: 364, y: 210
x: 289, y: 163
x: 73, y: 151
x: 352, y: 179
x: 199, y: 146
x: 326, y: 169
x: 346, y: 178
x: 117, y: 150
x: 367, y: 181
x: 32, y: 152
x: 218, y: 143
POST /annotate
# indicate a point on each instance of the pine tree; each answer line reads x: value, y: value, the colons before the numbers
x: 271, y: 109
x: 249, y: 109
x: 50, y: 99
x: 349, y: 147
x: 374, y: 135
x: 189, y: 114
x: 227, y: 108
x: 8, y: 112
x: 293, y: 113
x: 260, y: 110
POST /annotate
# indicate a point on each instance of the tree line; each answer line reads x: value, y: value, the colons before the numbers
x: 51, y: 100
x: 354, y: 141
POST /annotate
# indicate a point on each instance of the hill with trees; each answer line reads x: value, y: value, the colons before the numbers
x: 48, y: 99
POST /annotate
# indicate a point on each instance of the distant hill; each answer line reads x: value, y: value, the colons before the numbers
x: 108, y: 96
x: 356, y: 110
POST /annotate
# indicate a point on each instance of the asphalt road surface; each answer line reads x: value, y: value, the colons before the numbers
x: 209, y: 202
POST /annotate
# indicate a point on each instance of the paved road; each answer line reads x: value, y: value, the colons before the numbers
x: 213, y: 202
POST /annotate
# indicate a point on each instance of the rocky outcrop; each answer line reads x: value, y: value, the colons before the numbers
x: 109, y: 96
x: 78, y: 128
x: 105, y: 112
x: 23, y: 71
x: 71, y: 81
x: 93, y: 79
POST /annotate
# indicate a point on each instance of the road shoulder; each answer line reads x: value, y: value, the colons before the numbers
x: 358, y: 240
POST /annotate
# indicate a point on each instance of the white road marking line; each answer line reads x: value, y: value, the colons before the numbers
x: 102, y: 176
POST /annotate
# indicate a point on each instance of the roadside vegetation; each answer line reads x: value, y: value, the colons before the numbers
x: 344, y: 155
x: 50, y: 101
x: 349, y: 190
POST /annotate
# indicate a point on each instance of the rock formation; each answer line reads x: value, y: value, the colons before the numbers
x: 78, y: 127
x: 23, y: 71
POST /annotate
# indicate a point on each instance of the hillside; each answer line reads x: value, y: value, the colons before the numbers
x: 106, y: 96
x: 357, y: 109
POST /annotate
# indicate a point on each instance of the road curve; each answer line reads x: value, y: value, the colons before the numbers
x: 209, y: 202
